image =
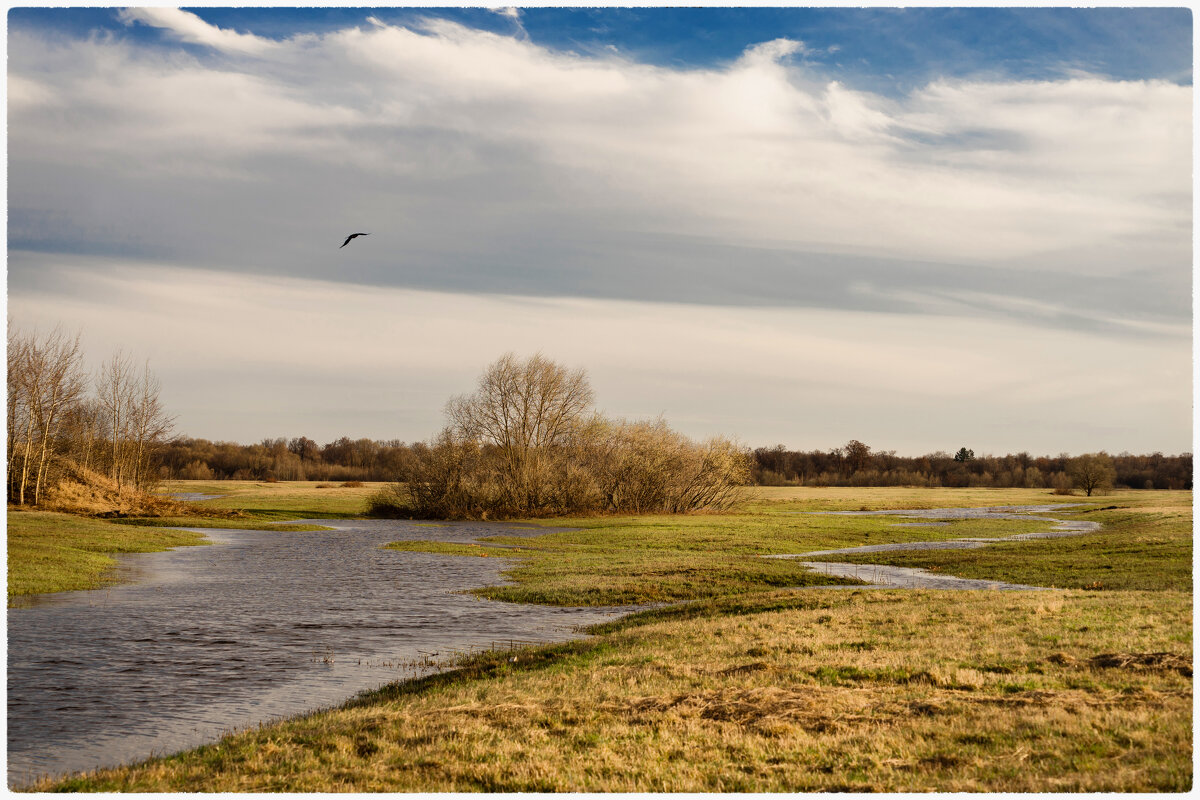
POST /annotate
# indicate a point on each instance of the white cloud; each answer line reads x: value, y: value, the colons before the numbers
x: 759, y: 151
x: 810, y: 378
x: 481, y: 162
x: 187, y: 27
x: 773, y: 51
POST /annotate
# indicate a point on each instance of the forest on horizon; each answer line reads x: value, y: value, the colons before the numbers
x: 854, y: 464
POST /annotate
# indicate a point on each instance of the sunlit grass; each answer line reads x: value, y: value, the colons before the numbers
x: 781, y: 691
x: 51, y: 552
x: 285, y: 500
x: 754, y: 687
x: 658, y: 559
x: 854, y: 498
x: 1136, y: 549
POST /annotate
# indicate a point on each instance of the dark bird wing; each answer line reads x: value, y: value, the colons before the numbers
x: 351, y: 236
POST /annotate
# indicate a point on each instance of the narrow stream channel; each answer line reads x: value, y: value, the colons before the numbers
x: 257, y: 626
x: 889, y: 577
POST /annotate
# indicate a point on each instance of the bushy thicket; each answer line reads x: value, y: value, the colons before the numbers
x: 522, y: 446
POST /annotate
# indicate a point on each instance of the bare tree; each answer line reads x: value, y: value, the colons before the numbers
x: 82, y: 428
x: 116, y: 389
x: 149, y: 424
x: 858, y: 455
x: 44, y: 381
x: 526, y: 443
x: 1093, y: 472
x: 62, y: 388
x: 524, y: 409
x: 18, y: 417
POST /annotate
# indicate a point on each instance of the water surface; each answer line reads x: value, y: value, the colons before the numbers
x: 257, y: 626
x: 881, y: 576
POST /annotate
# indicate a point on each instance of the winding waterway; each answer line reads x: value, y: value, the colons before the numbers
x: 259, y: 625
x: 889, y: 577
x: 262, y: 625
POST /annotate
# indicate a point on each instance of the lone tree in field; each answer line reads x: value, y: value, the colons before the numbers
x: 524, y: 408
x: 1093, y: 472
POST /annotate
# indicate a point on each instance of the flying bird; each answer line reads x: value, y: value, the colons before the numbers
x: 351, y: 236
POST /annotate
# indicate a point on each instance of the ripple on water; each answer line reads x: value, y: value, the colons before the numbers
x: 259, y: 626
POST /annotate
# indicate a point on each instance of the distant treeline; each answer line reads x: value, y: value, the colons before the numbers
x: 296, y: 459
x: 856, y: 464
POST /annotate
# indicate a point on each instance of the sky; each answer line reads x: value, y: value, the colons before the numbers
x: 921, y: 228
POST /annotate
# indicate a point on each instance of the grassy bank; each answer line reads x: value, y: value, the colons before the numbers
x: 56, y: 552
x: 782, y: 691
x: 654, y: 559
x: 50, y: 552
x: 282, y: 501
x: 633, y: 560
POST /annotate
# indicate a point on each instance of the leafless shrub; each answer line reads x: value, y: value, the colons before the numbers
x: 1062, y: 484
x: 522, y: 445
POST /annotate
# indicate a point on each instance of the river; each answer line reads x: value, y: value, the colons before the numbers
x: 257, y: 626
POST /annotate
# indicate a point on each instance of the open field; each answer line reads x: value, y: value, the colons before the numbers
x: 281, y: 501
x: 755, y: 687
x: 878, y: 498
x: 633, y: 560
x: 629, y: 560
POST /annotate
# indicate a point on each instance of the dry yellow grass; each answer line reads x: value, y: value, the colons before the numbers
x: 820, y: 690
x: 853, y: 498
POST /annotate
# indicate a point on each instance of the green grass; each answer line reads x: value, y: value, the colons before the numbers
x: 871, y: 498
x: 50, y: 552
x: 1134, y: 550
x: 662, y: 559
x: 776, y: 692
x: 748, y: 686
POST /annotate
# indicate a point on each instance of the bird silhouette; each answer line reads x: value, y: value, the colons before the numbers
x: 351, y: 236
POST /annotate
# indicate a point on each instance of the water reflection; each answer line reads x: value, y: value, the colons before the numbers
x: 258, y: 626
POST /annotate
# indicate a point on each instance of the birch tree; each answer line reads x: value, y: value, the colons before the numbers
x: 116, y: 389
x: 45, y: 380
x: 149, y: 423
